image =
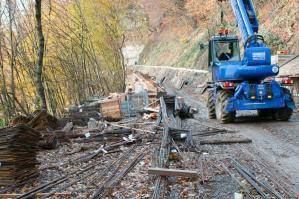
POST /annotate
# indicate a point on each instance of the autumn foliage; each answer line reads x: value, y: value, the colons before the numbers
x: 82, y: 54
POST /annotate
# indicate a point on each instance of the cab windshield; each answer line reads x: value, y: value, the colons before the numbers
x: 227, y: 51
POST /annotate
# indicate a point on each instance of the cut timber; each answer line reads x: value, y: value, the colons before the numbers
x: 228, y: 141
x: 173, y: 172
x: 110, y: 109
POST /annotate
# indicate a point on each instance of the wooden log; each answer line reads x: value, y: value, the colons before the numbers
x: 228, y: 141
x: 173, y: 172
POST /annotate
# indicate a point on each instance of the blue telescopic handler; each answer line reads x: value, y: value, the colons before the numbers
x: 242, y: 83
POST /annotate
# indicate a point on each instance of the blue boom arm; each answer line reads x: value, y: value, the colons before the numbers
x: 247, y: 20
x: 256, y: 62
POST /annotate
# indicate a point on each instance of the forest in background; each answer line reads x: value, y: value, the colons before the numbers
x: 82, y: 54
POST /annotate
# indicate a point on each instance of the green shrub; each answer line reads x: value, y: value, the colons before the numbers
x: 2, y: 123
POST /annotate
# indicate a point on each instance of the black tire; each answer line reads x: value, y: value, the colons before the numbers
x: 284, y: 114
x: 265, y: 113
x: 211, y: 105
x: 221, y: 101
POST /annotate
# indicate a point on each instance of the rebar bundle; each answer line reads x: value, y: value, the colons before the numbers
x: 18, y: 149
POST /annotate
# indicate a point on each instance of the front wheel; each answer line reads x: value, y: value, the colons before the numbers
x: 221, y: 102
x: 211, y: 105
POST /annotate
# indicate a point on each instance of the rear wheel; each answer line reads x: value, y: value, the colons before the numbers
x: 221, y: 102
x: 211, y: 105
x: 265, y: 113
x: 283, y: 114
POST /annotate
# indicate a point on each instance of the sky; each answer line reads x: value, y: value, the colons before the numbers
x: 20, y: 6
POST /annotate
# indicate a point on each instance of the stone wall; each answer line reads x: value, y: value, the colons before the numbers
x: 175, y: 76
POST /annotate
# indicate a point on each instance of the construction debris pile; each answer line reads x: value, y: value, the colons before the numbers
x: 18, y: 152
x: 137, y: 146
x: 79, y: 115
x: 171, y: 109
x: 142, y: 94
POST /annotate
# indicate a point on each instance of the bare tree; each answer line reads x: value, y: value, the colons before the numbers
x: 39, y: 63
x: 5, y: 100
x: 12, y: 50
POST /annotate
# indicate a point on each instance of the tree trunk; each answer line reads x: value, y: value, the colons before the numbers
x: 6, y: 104
x: 12, y: 52
x: 39, y: 63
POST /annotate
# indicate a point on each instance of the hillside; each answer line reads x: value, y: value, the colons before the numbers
x: 180, y: 29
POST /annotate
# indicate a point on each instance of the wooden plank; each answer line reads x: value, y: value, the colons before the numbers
x: 111, y: 108
x: 173, y: 172
x: 228, y: 141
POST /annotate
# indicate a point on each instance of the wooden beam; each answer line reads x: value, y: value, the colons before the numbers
x: 227, y: 141
x: 173, y: 172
